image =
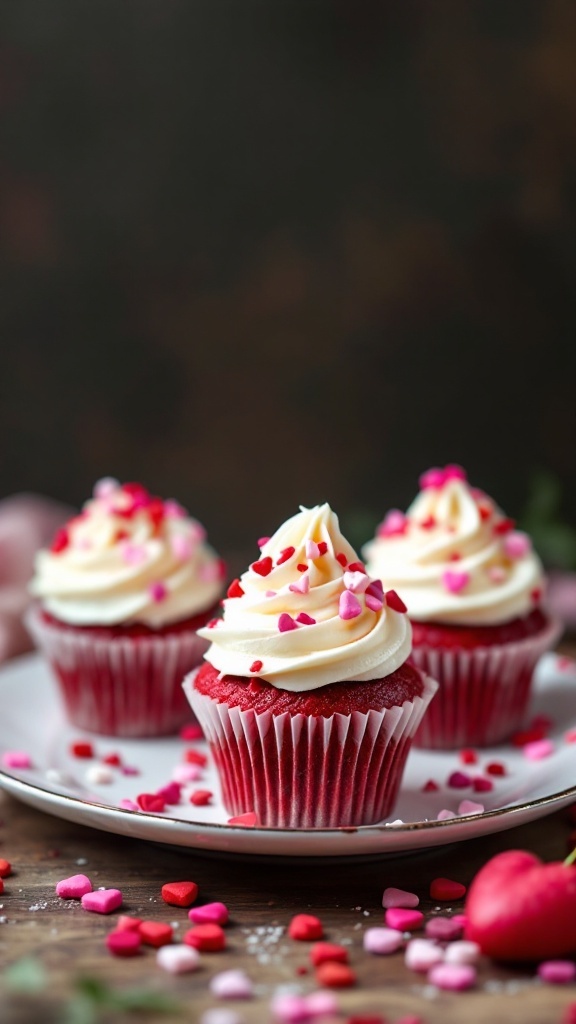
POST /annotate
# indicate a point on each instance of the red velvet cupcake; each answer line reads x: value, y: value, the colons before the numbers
x: 122, y: 592
x: 306, y: 697
x: 474, y: 590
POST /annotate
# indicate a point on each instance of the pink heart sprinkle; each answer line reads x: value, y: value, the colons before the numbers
x: 453, y: 977
x: 103, y: 901
x: 158, y: 592
x: 173, y: 509
x: 373, y: 603
x: 435, y: 477
x: 302, y: 586
x: 321, y: 1004
x: 395, y: 522
x: 133, y: 554
x: 445, y: 814
x: 73, y: 888
x: 16, y: 759
x: 443, y: 928
x: 470, y: 807
x: 209, y: 913
x: 454, y: 472
x: 178, y: 958
x: 182, y: 547
x: 454, y: 582
x: 459, y: 780
x: 399, y: 898
x: 382, y: 940
x: 105, y: 487
x: 232, y: 984
x: 128, y: 805
x: 557, y: 972
x: 270, y: 593
x: 312, y: 550
x: 349, y: 606
x: 286, y: 623
x: 422, y: 954
x: 262, y: 542
x: 538, y: 750
x: 305, y: 619
x: 496, y: 574
x: 357, y: 582
x: 403, y: 920
x: 517, y: 544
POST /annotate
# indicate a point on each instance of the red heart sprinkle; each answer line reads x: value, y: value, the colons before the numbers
x: 5, y: 868
x: 305, y: 928
x: 150, y: 802
x: 446, y: 889
x: 256, y: 666
x: 127, y: 923
x: 112, y: 759
x: 201, y: 797
x: 195, y: 757
x: 322, y: 951
x: 249, y: 819
x: 342, y: 559
x: 285, y: 554
x: 335, y: 975
x: 82, y: 750
x: 468, y: 756
x: 430, y: 786
x: 495, y: 768
x: 459, y: 780
x: 191, y: 732
x: 427, y: 524
x: 154, y: 933
x: 395, y: 602
x: 123, y: 943
x: 357, y: 567
x: 179, y: 894
x: 504, y: 526
x: 480, y: 785
x: 302, y: 567
x: 60, y: 542
x: 322, y: 547
x: 209, y: 938
x: 263, y: 566
x: 235, y: 590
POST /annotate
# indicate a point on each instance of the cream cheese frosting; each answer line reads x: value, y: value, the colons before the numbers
x: 306, y: 614
x: 128, y: 557
x: 454, y: 557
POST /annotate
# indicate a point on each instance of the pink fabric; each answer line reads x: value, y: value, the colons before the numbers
x: 27, y: 522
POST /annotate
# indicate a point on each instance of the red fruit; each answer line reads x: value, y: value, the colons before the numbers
x: 179, y: 894
x: 521, y: 909
x: 335, y: 975
x: 305, y: 927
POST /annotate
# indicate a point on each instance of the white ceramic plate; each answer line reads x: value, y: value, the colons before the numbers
x: 32, y: 720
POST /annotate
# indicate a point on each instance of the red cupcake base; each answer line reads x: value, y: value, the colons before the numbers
x: 484, y: 688
x: 299, y: 770
x: 121, y: 682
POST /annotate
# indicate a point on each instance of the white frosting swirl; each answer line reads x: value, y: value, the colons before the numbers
x: 454, y: 558
x: 128, y: 557
x: 261, y: 634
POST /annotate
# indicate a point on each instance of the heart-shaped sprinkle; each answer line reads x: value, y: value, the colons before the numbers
x: 394, y: 524
x: 305, y: 619
x: 179, y: 894
x: 349, y: 606
x: 517, y: 544
x: 357, y: 582
x: 422, y: 954
x: 395, y: 602
x: 249, y: 819
x: 403, y: 920
x: 453, y: 977
x: 444, y: 889
x: 322, y: 951
x: 285, y: 555
x: 470, y: 807
x: 232, y: 984
x: 335, y: 975
x: 177, y: 959
x: 373, y: 603
x: 209, y: 913
x: 158, y: 592
x: 459, y: 780
x: 399, y: 898
x: 305, y: 928
x: 322, y: 547
x: 235, y: 590
x: 312, y: 550
x: 286, y: 623
x: 263, y: 567
x: 434, y: 477
x: 302, y: 586
x: 382, y: 940
x: 256, y: 666
x: 430, y: 786
x: 262, y: 541
x: 454, y: 582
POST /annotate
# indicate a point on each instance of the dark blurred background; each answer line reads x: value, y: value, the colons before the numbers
x: 258, y: 253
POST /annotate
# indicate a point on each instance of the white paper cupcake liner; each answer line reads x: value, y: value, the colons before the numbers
x: 122, y: 686
x: 483, y: 694
x: 299, y: 771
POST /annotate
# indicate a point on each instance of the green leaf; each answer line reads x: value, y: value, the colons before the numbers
x: 26, y: 975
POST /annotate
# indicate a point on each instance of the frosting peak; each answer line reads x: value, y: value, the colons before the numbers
x: 128, y: 557
x: 455, y: 557
x: 306, y: 614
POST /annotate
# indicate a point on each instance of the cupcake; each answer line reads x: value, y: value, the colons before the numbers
x: 121, y: 594
x: 474, y: 590
x: 306, y: 697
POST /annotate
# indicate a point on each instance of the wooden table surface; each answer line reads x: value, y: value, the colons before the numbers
x: 262, y: 897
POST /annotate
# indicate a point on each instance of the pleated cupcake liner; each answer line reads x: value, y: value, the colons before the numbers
x: 483, y: 694
x: 119, y: 686
x: 298, y: 771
